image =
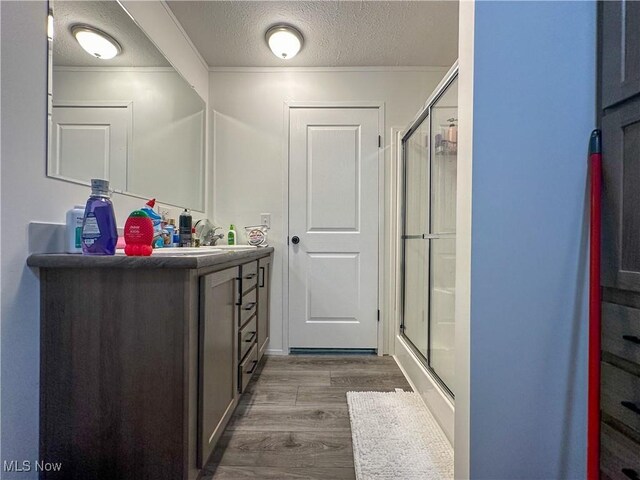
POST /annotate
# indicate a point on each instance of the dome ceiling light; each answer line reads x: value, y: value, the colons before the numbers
x: 50, y: 26
x: 284, y: 41
x: 95, y: 42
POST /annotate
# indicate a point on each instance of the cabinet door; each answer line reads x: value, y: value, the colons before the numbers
x: 620, y: 51
x: 621, y: 197
x: 264, y: 304
x: 218, y: 356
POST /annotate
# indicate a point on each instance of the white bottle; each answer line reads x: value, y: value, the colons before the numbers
x: 73, y: 232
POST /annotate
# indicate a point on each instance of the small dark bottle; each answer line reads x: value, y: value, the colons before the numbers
x: 185, y: 228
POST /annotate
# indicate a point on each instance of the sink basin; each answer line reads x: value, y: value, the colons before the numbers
x: 181, y: 251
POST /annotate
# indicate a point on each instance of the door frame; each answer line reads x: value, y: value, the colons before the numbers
x: 288, y: 106
x: 394, y: 250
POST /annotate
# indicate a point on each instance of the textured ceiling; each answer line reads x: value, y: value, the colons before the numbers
x: 108, y: 16
x: 337, y: 33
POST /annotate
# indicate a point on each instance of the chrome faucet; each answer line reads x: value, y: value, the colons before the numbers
x: 208, y: 232
x: 216, y: 236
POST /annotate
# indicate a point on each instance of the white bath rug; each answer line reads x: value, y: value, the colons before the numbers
x: 396, y: 437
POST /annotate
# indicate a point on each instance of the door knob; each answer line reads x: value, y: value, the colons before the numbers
x: 295, y: 240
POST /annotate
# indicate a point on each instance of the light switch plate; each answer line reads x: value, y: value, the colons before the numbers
x: 265, y: 219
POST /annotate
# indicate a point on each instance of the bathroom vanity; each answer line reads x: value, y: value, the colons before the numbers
x: 144, y: 359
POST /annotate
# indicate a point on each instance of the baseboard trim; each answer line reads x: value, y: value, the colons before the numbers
x: 332, y: 351
x: 278, y: 351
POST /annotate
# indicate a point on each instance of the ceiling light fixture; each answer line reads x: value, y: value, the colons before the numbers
x: 95, y: 42
x: 50, y: 26
x: 284, y: 41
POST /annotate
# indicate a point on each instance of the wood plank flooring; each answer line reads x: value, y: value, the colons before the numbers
x: 293, y: 421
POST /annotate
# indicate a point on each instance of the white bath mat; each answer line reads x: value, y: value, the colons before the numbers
x: 396, y: 437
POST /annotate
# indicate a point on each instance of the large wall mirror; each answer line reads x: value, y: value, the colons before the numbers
x: 131, y: 119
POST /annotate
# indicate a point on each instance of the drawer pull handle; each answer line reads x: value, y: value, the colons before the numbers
x: 251, y: 337
x: 631, y: 473
x: 249, y: 306
x: 254, y: 364
x: 631, y: 406
x: 250, y: 276
x: 261, y: 278
x: 632, y: 339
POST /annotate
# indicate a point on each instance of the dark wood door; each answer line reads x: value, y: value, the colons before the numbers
x: 621, y: 196
x: 619, y: 76
x: 620, y: 51
x: 218, y: 355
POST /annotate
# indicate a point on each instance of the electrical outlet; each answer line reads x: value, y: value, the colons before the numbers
x: 265, y: 219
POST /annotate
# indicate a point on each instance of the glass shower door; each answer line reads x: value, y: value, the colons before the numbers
x: 430, y: 175
x: 416, y: 250
x: 444, y: 149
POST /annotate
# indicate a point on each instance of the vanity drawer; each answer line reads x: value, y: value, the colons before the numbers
x: 621, y: 331
x: 621, y: 395
x: 248, y: 306
x: 247, y: 367
x: 620, y: 456
x: 248, y: 276
x: 248, y: 335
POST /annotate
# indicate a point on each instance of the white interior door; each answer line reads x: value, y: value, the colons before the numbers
x: 333, y: 211
x: 90, y: 142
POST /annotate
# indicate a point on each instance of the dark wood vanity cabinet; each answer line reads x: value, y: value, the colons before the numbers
x: 619, y: 51
x: 141, y: 360
x: 620, y: 386
x: 619, y: 118
x: 118, y: 372
x: 248, y: 324
x: 621, y: 197
x: 264, y: 304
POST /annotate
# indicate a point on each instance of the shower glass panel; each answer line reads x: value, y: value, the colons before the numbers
x: 444, y: 142
x: 430, y: 167
x: 441, y: 308
x: 416, y: 249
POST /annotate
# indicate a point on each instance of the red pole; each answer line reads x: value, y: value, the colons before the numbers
x: 595, y: 297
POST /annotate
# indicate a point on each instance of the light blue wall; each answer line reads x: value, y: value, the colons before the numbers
x: 534, y: 108
x: 24, y: 114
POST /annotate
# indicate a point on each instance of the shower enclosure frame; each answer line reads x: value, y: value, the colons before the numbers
x: 424, y: 114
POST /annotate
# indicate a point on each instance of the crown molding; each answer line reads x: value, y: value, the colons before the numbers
x: 62, y: 68
x: 326, y: 69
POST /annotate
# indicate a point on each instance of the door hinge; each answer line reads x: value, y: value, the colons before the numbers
x: 287, y: 239
x: 378, y: 315
x: 379, y: 141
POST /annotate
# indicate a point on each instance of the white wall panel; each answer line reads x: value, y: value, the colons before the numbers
x: 250, y: 140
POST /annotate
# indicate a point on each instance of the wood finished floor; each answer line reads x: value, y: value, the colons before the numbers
x: 293, y: 422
